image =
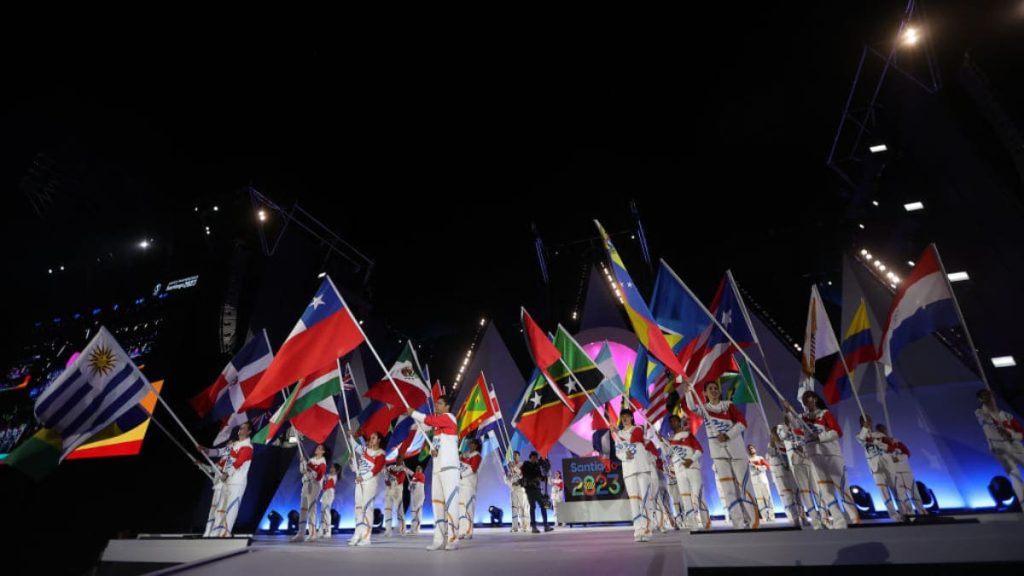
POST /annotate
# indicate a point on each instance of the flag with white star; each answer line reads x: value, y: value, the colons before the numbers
x: 325, y: 332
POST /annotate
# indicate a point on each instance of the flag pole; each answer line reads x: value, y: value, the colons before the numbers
x: 501, y: 420
x: 960, y: 316
x: 884, y: 385
x: 757, y: 341
x: 835, y: 340
x: 176, y: 419
x: 344, y: 402
x: 387, y: 373
x: 753, y: 364
x: 180, y: 447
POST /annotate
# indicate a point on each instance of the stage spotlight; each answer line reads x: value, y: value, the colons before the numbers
x: 216, y: 209
x: 275, y: 520
x: 49, y: 270
x: 262, y: 215
x: 911, y: 262
x: 1003, y: 361
x: 861, y: 226
x: 321, y: 275
x: 293, y: 521
x: 875, y: 150
x: 913, y: 206
x: 958, y: 276
x: 862, y: 500
x: 927, y: 497
x: 863, y: 252
x: 496, y: 515
x: 1002, y: 492
x: 910, y: 36
x: 874, y: 202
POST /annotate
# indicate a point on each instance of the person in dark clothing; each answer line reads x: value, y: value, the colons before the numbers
x: 534, y: 476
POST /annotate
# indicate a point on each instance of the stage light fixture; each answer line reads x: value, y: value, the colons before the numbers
x: 913, y: 206
x: 1001, y: 491
x: 861, y: 226
x: 144, y: 244
x: 1003, y: 361
x: 863, y: 252
x: 61, y: 267
x: 262, y: 215
x: 958, y: 276
x: 862, y: 500
x: 878, y: 148
x: 293, y: 521
x: 49, y: 270
x: 275, y: 520
x: 911, y: 263
x: 882, y: 267
x: 321, y: 275
x: 216, y: 208
x: 911, y: 36
x: 496, y: 515
x: 874, y: 202
x: 483, y: 321
x: 931, y: 503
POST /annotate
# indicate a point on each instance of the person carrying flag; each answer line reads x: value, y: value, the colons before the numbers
x: 778, y: 461
x: 327, y: 499
x: 416, y: 484
x: 794, y: 440
x: 686, y: 454
x: 759, y: 480
x: 234, y: 476
x: 520, y: 522
x: 827, y: 464
x: 630, y: 449
x: 367, y: 462
x: 469, y: 464
x: 394, y: 486
x: 313, y: 472
x: 881, y: 465
x: 725, y: 424
x: 1003, y: 433
x: 906, y: 487
x: 445, y: 476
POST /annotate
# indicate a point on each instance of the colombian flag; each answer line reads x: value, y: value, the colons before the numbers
x: 857, y: 348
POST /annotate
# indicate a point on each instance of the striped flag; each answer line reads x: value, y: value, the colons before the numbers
x: 227, y: 394
x: 310, y: 407
x: 100, y: 385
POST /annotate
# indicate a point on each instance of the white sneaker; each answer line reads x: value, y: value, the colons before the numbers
x: 352, y: 542
x: 387, y: 533
x: 645, y: 538
x: 363, y: 542
x: 298, y: 537
x: 452, y: 546
x: 435, y: 546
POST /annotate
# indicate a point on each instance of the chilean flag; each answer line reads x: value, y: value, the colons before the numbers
x: 236, y: 382
x: 327, y: 331
x: 923, y: 305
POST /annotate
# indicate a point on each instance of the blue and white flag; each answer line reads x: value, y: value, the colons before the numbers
x: 102, y: 384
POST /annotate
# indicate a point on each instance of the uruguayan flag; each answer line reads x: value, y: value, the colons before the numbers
x: 101, y: 385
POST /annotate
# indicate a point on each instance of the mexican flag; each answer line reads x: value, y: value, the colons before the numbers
x: 310, y: 407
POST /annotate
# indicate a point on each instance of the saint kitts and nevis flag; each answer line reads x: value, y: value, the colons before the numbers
x: 325, y: 332
x: 310, y: 407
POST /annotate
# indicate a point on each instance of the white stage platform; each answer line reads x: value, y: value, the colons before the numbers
x: 610, y: 550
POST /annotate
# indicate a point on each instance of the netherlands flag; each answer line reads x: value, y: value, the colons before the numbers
x: 922, y: 306
x: 325, y: 332
x: 226, y: 396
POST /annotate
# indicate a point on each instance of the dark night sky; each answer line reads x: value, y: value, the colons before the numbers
x: 435, y: 161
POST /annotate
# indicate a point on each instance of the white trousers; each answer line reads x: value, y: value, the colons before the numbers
x: 366, y: 493
x: 445, y: 500
x: 467, y: 505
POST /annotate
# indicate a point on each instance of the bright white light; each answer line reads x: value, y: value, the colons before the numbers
x: 196, y: 208
x: 797, y: 346
x: 861, y: 226
x: 262, y: 215
x: 1003, y: 361
x: 882, y: 267
x: 61, y: 267
x: 878, y: 263
x: 144, y: 244
x: 49, y: 270
x: 216, y: 209
x: 874, y: 202
x: 913, y: 206
x: 895, y: 278
x: 958, y: 277
x: 829, y: 282
x: 911, y: 36
x: 483, y: 321
x: 321, y: 275
x: 911, y: 262
x: 869, y: 257
x: 360, y: 322
x: 878, y: 148
x: 573, y: 314
x: 293, y: 440
x: 889, y: 275
x: 863, y: 252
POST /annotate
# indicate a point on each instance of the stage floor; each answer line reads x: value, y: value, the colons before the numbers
x: 611, y: 550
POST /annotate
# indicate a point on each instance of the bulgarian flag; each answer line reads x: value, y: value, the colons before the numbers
x: 310, y: 407
x: 475, y: 409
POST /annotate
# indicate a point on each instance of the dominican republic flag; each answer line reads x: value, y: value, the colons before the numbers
x: 94, y: 391
x: 227, y: 394
x: 923, y: 305
x: 325, y: 332
x: 712, y: 355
